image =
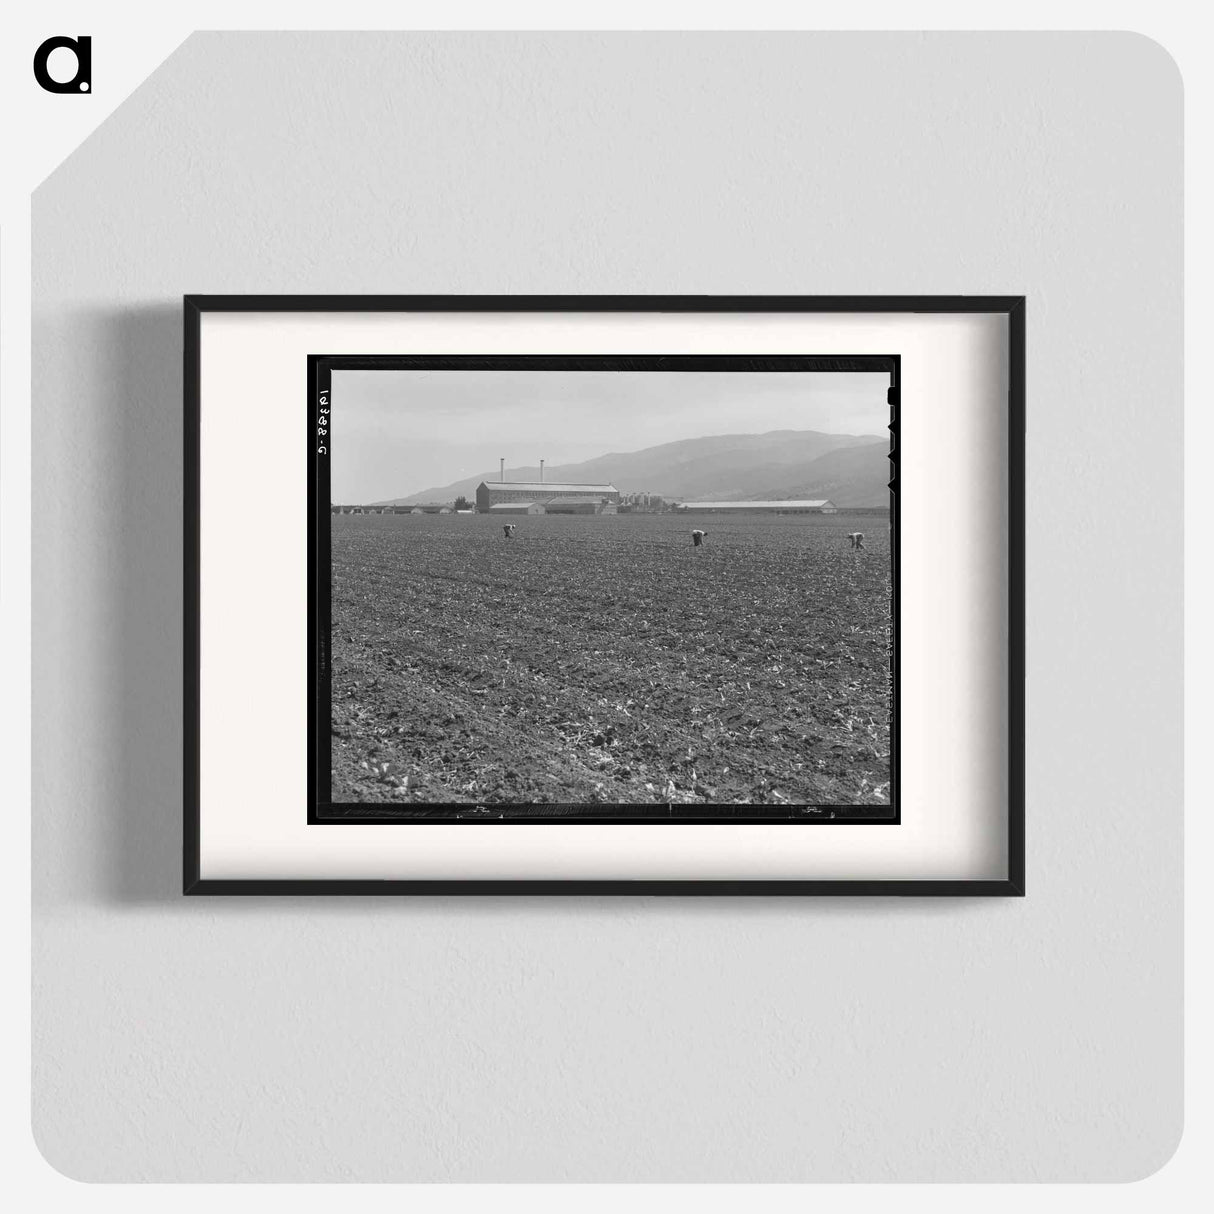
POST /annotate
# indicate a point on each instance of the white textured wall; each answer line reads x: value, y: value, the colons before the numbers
x: 625, y: 1039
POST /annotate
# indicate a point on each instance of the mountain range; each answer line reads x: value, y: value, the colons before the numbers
x: 850, y: 469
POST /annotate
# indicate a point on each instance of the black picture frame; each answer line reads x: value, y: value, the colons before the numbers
x: 1011, y: 307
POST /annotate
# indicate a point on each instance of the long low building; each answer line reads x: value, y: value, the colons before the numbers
x: 556, y: 505
x: 499, y: 493
x: 572, y: 504
x: 515, y: 508
x: 821, y: 506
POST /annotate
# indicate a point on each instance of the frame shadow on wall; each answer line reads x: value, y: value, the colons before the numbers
x: 145, y: 720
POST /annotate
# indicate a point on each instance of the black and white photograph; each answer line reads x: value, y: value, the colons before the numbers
x: 605, y: 589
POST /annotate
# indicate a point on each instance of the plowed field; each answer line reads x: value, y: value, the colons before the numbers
x: 606, y: 660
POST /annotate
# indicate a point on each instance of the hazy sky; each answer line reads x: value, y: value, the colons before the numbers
x: 396, y: 433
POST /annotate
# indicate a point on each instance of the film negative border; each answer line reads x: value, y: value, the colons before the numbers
x: 317, y: 409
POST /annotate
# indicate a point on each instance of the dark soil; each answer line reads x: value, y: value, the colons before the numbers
x: 606, y: 660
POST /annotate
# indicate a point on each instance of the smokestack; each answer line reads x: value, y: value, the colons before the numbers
x: 502, y: 473
x: 541, y: 472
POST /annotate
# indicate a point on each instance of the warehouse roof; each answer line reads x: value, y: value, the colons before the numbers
x: 545, y: 487
x: 802, y: 505
x: 510, y: 505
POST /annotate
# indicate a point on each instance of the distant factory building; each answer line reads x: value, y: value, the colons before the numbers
x: 540, y: 493
x: 822, y: 506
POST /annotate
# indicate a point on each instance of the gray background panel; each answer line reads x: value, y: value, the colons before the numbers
x: 625, y: 1039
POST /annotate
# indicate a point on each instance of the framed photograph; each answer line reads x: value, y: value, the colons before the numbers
x: 680, y: 595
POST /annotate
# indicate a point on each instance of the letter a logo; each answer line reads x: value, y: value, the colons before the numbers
x: 82, y: 81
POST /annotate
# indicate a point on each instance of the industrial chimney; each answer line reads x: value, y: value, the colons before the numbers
x: 502, y: 474
x: 541, y: 472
